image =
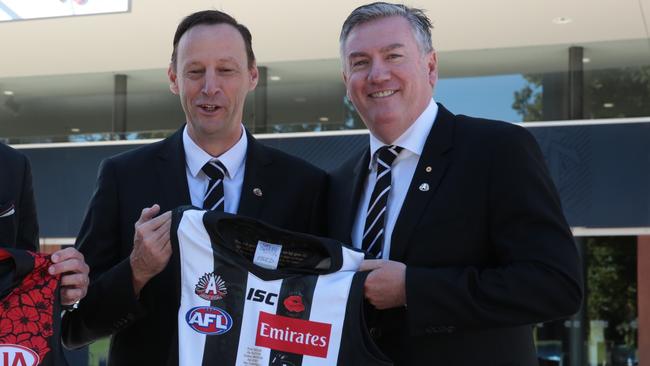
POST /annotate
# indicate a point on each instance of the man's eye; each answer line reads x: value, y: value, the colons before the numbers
x: 359, y: 63
x: 394, y: 56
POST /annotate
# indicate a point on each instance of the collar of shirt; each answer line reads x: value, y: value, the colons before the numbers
x: 413, y: 139
x: 233, y: 159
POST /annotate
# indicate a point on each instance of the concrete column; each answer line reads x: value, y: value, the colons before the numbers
x: 576, y: 83
x: 577, y: 324
x: 119, y: 103
x: 261, y: 104
x: 554, y: 96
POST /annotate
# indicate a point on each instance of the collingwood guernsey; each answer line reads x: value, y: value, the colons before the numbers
x: 255, y: 295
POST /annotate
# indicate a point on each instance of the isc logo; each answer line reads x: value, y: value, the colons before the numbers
x: 261, y: 296
x: 209, y: 320
x: 15, y: 355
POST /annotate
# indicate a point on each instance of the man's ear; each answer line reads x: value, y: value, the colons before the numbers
x: 432, y: 64
x: 345, y: 82
x: 173, y: 85
x: 255, y: 76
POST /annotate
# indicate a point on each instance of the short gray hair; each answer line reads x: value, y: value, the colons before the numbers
x: 420, y: 23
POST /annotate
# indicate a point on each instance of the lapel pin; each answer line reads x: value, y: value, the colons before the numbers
x: 428, y: 169
x: 424, y: 187
x: 257, y: 192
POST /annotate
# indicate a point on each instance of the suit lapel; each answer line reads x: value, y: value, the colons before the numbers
x: 256, y: 178
x: 174, y: 191
x: 428, y: 174
x: 170, y: 168
x: 353, y: 196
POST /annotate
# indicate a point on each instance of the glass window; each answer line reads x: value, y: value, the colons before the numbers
x: 609, y: 336
x: 617, y: 92
x: 495, y: 97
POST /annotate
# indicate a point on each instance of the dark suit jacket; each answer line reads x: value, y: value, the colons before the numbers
x: 143, y: 329
x: 487, y: 248
x: 20, y: 229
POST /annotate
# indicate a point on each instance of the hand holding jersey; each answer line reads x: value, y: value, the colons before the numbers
x: 70, y: 264
x: 385, y: 286
x: 151, y: 248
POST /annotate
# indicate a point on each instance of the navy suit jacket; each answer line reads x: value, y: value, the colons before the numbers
x: 487, y: 248
x: 19, y: 225
x: 143, y: 330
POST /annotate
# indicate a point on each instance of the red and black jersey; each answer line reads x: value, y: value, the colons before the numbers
x: 30, y: 311
x: 253, y: 294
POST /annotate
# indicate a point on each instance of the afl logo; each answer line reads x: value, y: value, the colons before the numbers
x: 209, y: 320
x: 211, y: 287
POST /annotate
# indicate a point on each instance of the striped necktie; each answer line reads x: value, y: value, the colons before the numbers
x: 214, y: 197
x: 373, y: 230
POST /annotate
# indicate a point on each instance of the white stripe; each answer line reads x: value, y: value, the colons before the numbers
x: 216, y: 204
x: 250, y: 317
x: 382, y: 163
x: 386, y: 171
x: 288, y: 135
x: 373, y: 223
x: 610, y: 231
x: 214, y: 164
x: 391, y: 149
x: 352, y: 259
x: 375, y: 240
x: 196, y: 258
x: 57, y: 241
x: 328, y: 305
x: 211, y: 189
x: 378, y: 197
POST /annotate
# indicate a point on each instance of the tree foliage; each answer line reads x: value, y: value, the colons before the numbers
x: 608, y: 93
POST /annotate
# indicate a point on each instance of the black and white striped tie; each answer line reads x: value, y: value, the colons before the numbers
x: 373, y: 230
x: 214, y: 199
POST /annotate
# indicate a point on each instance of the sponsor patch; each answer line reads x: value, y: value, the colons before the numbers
x: 298, y: 336
x: 211, y: 287
x: 13, y: 354
x: 209, y: 320
x: 262, y: 296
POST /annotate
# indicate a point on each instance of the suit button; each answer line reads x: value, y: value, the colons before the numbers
x: 375, y: 332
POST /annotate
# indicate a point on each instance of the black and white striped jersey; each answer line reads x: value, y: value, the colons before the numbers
x: 252, y: 294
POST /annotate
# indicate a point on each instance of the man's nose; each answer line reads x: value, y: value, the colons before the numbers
x: 211, y: 84
x: 379, y: 72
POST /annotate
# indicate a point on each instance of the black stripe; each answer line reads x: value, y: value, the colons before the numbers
x: 303, y: 287
x: 222, y: 348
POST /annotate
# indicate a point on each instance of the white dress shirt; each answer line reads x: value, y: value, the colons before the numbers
x: 235, y: 162
x: 412, y: 140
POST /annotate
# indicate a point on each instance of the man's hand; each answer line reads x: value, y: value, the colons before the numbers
x: 151, y: 246
x: 69, y: 262
x: 385, y: 285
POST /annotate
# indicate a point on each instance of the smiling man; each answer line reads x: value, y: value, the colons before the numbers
x: 211, y: 162
x: 470, y: 244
